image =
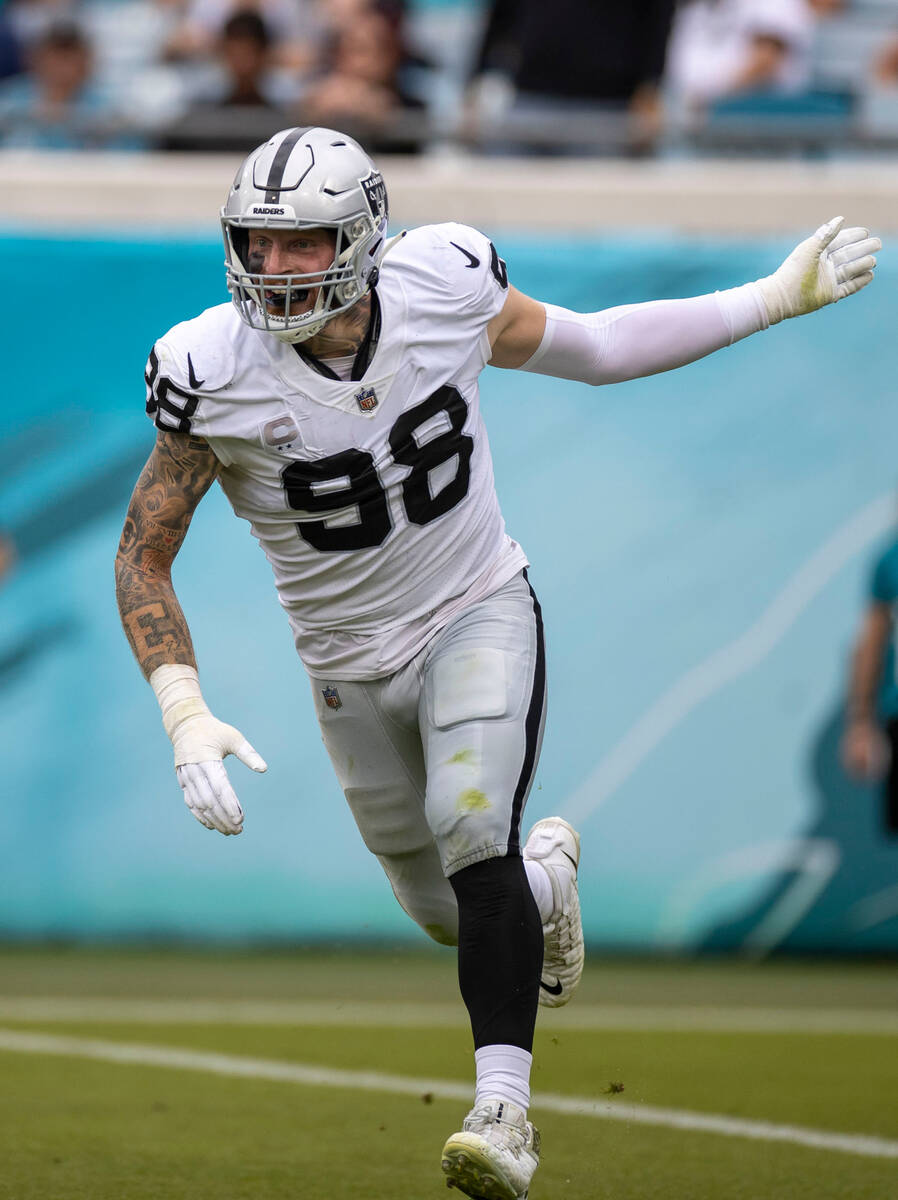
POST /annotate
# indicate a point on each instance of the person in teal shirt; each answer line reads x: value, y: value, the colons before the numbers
x: 58, y: 104
x: 870, y: 739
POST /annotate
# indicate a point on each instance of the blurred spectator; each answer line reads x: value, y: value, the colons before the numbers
x: 31, y: 19
x: 878, y: 90
x: 294, y: 26
x: 870, y: 738
x: 499, y: 46
x: 128, y: 36
x: 335, y: 16
x: 11, y: 59
x: 244, y: 51
x: 338, y: 14
x: 720, y: 48
x: 885, y: 68
x: 57, y: 104
x: 245, y: 102
x: 361, y: 89
x: 591, y: 61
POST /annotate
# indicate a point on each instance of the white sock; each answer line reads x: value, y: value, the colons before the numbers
x: 541, y: 886
x: 503, y: 1071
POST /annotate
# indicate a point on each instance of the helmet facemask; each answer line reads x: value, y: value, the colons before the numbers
x: 340, y: 285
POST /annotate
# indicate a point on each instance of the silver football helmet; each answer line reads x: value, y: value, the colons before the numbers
x: 305, y: 179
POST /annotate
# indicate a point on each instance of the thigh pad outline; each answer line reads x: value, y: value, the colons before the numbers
x: 469, y: 685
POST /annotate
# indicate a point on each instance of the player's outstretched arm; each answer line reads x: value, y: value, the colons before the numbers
x: 642, y: 339
x: 177, y: 475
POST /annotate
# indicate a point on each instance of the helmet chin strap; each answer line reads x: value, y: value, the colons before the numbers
x: 304, y: 332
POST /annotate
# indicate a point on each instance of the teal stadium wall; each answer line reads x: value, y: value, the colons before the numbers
x: 700, y: 542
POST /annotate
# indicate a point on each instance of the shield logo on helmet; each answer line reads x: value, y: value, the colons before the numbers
x: 332, y: 697
x: 367, y: 399
x: 376, y: 194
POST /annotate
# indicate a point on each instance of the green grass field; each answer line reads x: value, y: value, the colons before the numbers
x: 176, y: 1075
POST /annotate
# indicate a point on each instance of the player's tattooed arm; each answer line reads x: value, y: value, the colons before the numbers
x: 177, y: 475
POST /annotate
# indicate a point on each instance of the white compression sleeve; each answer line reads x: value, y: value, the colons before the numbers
x: 643, y: 339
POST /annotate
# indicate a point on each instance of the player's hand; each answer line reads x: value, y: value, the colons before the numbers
x: 865, y: 751
x: 201, y: 742
x: 828, y: 266
x: 209, y: 796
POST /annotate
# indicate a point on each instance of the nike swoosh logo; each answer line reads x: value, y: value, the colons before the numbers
x: 191, y: 375
x: 473, y: 260
x: 556, y: 990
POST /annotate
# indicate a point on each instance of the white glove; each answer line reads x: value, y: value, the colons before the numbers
x: 201, y: 742
x: 826, y: 267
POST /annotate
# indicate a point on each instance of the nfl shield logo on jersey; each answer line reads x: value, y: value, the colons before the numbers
x: 332, y: 697
x: 366, y: 399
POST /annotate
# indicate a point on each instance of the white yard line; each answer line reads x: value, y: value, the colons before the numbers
x: 403, y: 1085
x: 643, y: 1018
x: 731, y: 661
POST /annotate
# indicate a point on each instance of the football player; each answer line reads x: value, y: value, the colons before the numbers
x: 336, y: 402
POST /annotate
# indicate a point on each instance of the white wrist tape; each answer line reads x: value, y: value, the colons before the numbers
x: 634, y: 340
x: 177, y: 689
x: 196, y: 735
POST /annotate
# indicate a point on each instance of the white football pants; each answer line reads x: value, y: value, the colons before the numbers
x: 436, y: 761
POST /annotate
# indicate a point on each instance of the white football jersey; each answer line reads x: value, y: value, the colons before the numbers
x: 373, y: 499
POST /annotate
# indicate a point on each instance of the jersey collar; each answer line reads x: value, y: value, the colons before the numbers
x: 364, y: 354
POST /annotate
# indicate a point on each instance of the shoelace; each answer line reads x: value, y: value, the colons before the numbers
x: 565, y: 941
x: 482, y: 1119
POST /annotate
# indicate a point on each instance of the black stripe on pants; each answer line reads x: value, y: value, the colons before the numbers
x: 532, y: 725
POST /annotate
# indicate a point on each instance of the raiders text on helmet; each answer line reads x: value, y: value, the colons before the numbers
x: 305, y: 179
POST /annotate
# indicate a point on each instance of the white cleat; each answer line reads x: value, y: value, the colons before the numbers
x: 495, y: 1155
x: 556, y: 845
